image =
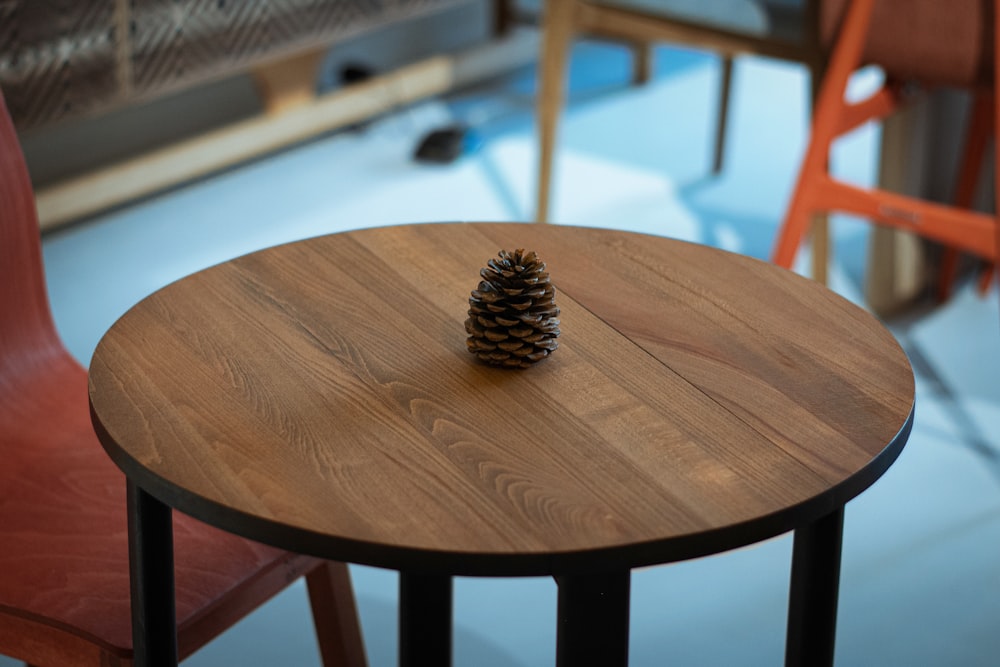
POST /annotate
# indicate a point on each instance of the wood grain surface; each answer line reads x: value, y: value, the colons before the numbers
x: 319, y: 396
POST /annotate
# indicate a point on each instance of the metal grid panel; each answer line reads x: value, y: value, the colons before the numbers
x: 57, y: 57
x: 66, y: 58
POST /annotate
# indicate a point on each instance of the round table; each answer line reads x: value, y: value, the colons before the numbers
x: 319, y: 396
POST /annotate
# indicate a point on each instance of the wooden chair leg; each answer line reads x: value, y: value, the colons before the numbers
x: 335, y: 614
x: 819, y: 235
x: 722, y: 117
x: 820, y: 229
x: 986, y: 276
x: 557, y: 34
x: 503, y: 17
x: 642, y: 63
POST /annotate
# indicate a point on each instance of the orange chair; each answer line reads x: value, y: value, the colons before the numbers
x: 922, y: 42
x: 64, y: 568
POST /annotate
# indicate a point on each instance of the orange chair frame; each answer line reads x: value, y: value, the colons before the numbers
x: 818, y: 192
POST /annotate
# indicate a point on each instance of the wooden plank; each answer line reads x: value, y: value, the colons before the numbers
x: 203, y: 155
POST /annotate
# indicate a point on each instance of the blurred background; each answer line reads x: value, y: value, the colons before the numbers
x: 920, y: 583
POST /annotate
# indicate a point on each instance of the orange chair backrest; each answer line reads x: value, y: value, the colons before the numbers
x: 944, y: 42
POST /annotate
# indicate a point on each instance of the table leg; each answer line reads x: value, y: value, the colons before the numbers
x: 593, y: 619
x: 812, y: 608
x: 425, y: 604
x: 151, y: 572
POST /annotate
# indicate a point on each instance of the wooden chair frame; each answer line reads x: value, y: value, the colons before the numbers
x: 564, y: 20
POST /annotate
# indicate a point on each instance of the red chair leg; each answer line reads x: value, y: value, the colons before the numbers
x: 996, y: 122
x: 331, y: 596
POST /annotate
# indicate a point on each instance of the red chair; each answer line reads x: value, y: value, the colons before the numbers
x: 924, y: 42
x: 64, y: 568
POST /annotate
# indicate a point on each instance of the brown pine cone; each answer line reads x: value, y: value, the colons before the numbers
x: 512, y: 314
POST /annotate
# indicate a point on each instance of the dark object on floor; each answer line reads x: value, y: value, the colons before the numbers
x: 355, y: 73
x: 443, y: 146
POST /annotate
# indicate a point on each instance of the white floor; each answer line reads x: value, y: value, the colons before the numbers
x: 921, y: 580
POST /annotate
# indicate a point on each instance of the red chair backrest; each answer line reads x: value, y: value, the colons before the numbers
x: 27, y: 333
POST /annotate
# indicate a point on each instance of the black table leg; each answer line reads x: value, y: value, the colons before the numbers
x: 593, y: 620
x: 425, y: 603
x: 151, y: 571
x: 812, y: 608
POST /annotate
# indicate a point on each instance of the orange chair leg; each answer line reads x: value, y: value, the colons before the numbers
x: 980, y: 129
x: 826, y: 121
x: 986, y: 277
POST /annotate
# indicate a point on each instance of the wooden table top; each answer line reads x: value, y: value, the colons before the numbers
x: 319, y: 396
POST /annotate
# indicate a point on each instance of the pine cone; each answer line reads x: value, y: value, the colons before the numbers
x: 512, y: 314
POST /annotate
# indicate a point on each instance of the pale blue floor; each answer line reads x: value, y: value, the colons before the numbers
x: 921, y: 579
